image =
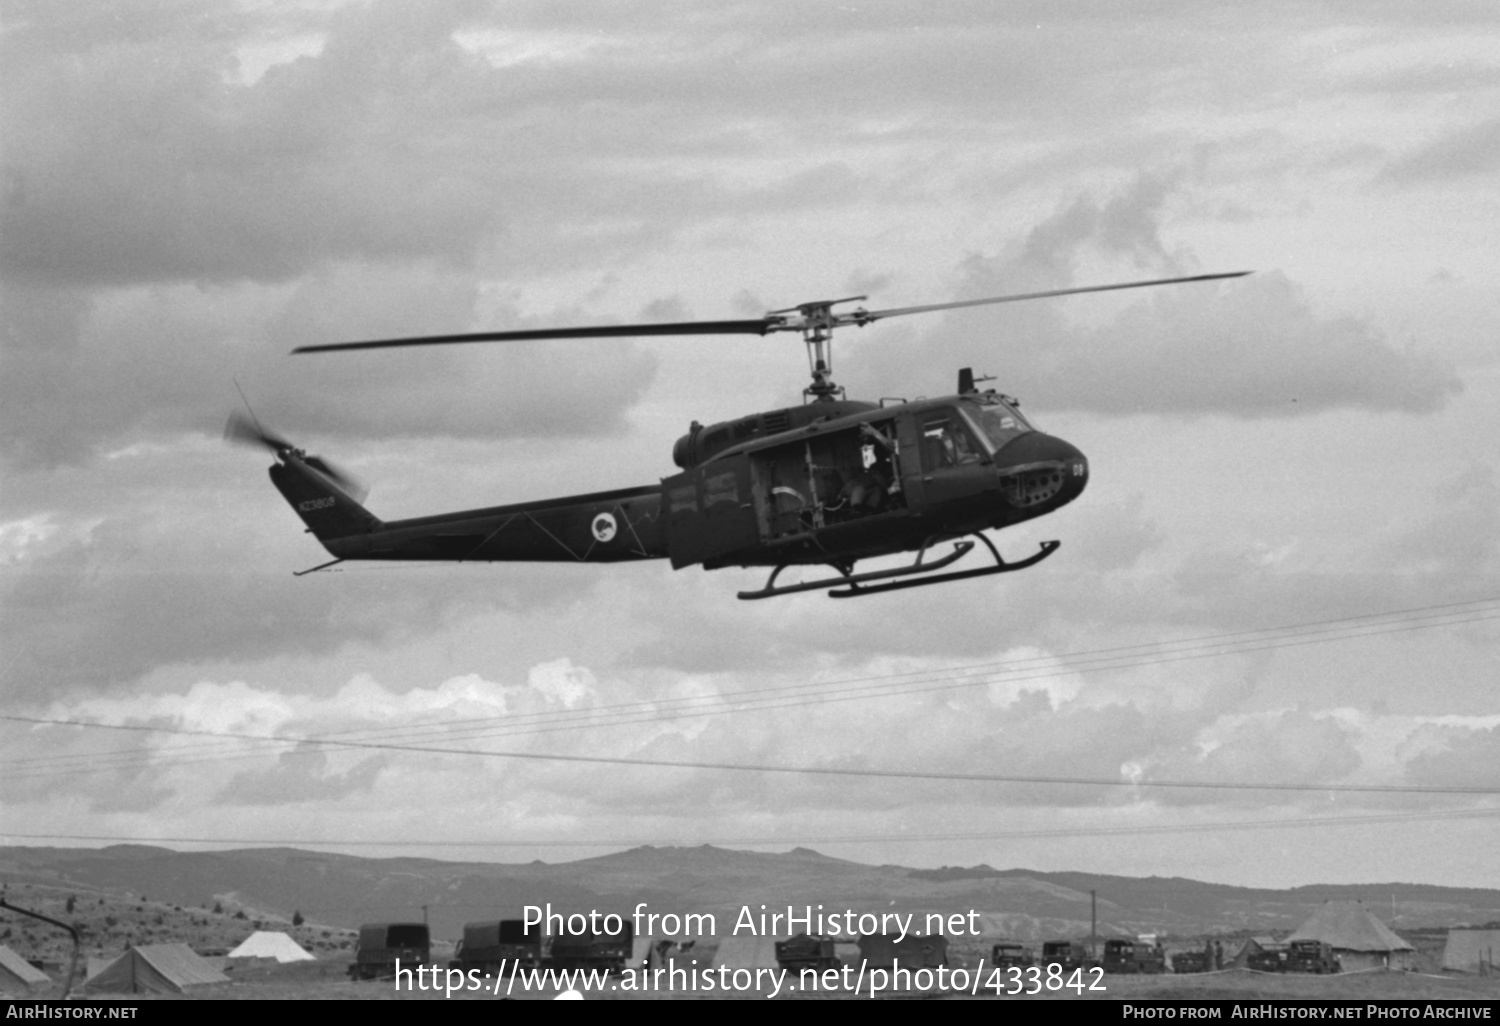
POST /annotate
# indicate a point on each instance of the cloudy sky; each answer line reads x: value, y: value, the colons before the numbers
x: 1281, y: 583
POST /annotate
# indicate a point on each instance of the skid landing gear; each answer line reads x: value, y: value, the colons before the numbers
x: 855, y: 584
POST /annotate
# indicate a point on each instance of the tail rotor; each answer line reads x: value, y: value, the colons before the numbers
x: 247, y: 430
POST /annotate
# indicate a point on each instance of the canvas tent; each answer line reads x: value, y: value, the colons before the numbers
x: 1472, y: 951
x: 1253, y: 946
x: 648, y: 952
x: 747, y: 952
x: 18, y: 977
x: 1358, y: 939
x: 271, y: 944
x: 154, y: 969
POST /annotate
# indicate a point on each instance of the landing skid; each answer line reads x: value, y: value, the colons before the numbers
x: 857, y: 584
x: 1001, y: 567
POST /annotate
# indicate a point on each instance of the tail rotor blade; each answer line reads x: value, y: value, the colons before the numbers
x: 243, y: 430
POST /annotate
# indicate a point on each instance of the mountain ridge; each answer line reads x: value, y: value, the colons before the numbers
x: 346, y: 890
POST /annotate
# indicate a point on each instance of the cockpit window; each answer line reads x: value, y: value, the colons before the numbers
x: 997, y: 419
x: 946, y: 443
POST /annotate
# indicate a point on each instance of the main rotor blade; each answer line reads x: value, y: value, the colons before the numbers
x: 759, y: 326
x: 866, y: 317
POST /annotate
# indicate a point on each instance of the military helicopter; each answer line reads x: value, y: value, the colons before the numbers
x: 830, y: 482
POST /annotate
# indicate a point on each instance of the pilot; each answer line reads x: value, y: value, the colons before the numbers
x: 962, y: 447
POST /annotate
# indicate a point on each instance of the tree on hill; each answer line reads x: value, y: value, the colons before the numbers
x: 297, y: 919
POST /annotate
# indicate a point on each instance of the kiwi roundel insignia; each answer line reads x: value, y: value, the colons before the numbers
x: 605, y: 527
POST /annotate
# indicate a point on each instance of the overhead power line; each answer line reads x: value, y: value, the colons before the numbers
x: 826, y: 771
x: 402, y: 738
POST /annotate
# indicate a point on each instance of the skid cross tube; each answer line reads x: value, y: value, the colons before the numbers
x: 852, y: 579
x: 917, y: 567
x: 1002, y: 567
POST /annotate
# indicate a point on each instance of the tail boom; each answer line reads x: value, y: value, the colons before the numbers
x: 599, y: 527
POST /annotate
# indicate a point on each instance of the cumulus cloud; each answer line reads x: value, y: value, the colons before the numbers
x: 143, y: 165
x: 94, y: 599
x: 1288, y: 747
x: 301, y: 777
x: 370, y: 187
x: 148, y: 362
x: 1460, y: 757
x: 1465, y: 153
x: 1252, y: 348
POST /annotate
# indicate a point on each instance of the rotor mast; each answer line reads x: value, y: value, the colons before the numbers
x: 817, y: 323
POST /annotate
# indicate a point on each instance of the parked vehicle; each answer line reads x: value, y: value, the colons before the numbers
x: 1310, y: 956
x: 1067, y: 955
x: 1012, y: 955
x: 383, y: 945
x: 806, y: 952
x: 1192, y: 962
x: 497, y: 945
x: 610, y: 952
x: 1123, y: 956
x: 1267, y: 960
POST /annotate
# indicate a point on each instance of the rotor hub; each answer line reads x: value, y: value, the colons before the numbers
x: 816, y: 321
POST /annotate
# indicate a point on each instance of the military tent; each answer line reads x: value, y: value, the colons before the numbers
x: 1472, y: 951
x: 18, y: 977
x: 269, y: 944
x: 1252, y: 946
x: 154, y: 969
x: 886, y: 950
x: 747, y: 952
x: 648, y: 952
x: 1358, y: 939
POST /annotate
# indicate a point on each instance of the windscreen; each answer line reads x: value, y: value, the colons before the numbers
x: 997, y: 420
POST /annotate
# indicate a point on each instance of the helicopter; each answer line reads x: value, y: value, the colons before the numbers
x: 828, y: 483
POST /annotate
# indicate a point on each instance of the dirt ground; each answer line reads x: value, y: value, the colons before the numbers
x: 327, y: 980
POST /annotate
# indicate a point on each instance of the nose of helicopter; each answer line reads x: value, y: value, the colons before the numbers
x: 1039, y: 468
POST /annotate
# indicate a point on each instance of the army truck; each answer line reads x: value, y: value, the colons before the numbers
x: 493, y: 946
x: 1066, y: 955
x: 1192, y: 962
x: 1310, y: 956
x: 383, y: 945
x: 805, y: 952
x: 610, y: 952
x: 1267, y: 960
x: 1012, y: 955
x: 1123, y: 956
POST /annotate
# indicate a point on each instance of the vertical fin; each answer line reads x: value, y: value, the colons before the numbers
x: 328, y: 510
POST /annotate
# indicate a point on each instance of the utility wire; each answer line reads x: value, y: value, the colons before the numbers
x: 802, y: 694
x: 829, y: 771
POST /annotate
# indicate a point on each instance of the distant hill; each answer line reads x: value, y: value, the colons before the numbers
x: 342, y: 891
